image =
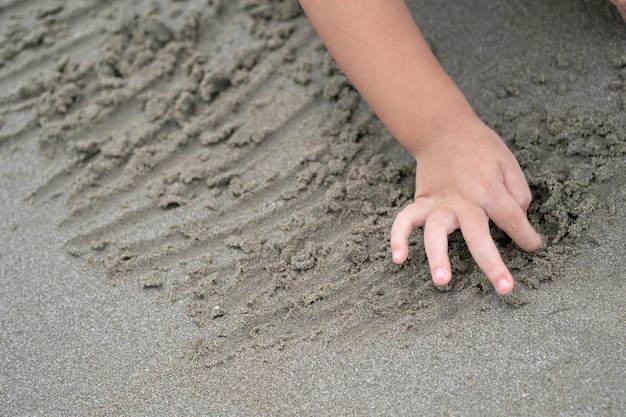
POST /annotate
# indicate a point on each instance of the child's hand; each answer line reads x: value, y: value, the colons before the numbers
x: 621, y: 6
x: 466, y: 175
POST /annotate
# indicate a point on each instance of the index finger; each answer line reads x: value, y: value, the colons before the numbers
x: 511, y: 218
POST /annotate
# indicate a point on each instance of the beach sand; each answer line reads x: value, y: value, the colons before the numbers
x: 196, y: 206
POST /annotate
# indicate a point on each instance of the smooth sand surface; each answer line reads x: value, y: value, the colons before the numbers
x: 196, y: 206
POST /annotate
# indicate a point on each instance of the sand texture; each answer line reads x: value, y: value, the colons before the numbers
x: 196, y: 206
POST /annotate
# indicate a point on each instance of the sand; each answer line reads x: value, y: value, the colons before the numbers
x: 196, y: 207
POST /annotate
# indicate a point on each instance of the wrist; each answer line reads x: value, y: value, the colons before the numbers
x: 447, y: 111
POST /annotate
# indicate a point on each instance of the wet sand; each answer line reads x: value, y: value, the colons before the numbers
x: 196, y: 207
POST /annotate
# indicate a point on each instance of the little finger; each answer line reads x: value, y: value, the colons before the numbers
x: 412, y: 216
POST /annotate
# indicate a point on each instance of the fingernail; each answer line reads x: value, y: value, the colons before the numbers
x: 440, y: 275
x: 396, y: 256
x: 504, y: 286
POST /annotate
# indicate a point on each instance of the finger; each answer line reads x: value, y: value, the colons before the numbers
x: 509, y: 216
x: 475, y: 229
x: 439, y: 224
x: 516, y: 185
x: 412, y: 216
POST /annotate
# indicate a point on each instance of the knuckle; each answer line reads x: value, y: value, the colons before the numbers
x: 441, y: 219
x: 435, y: 221
x: 476, y: 234
x: 525, y: 200
x: 514, y: 227
x: 493, y: 267
x: 489, y: 191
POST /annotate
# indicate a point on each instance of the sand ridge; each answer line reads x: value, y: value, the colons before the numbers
x: 213, y: 152
x: 217, y: 154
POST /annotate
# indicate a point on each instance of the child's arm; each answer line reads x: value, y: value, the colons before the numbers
x: 465, y: 172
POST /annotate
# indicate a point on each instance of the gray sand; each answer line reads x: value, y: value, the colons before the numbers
x: 196, y: 207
